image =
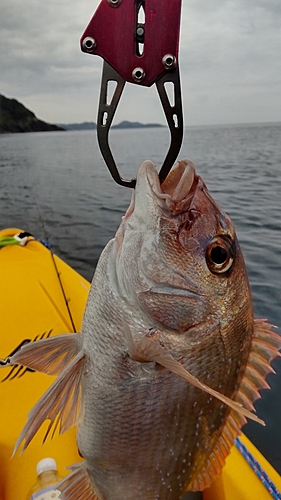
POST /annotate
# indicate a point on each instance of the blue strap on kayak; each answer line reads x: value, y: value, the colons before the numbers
x: 262, y: 475
x: 44, y: 242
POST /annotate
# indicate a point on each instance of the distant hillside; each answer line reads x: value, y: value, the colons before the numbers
x: 93, y: 125
x: 15, y: 117
x: 78, y: 126
x: 126, y: 124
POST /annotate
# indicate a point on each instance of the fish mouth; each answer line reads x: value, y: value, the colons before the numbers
x: 180, y: 180
x: 178, y: 188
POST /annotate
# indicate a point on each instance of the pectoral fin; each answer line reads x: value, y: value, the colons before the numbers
x: 148, y: 349
x: 61, y: 404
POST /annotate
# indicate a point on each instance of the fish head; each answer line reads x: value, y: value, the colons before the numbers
x: 180, y: 255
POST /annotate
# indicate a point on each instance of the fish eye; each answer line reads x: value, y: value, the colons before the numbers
x: 220, y: 255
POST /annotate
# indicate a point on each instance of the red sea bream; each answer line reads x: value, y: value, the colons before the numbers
x: 170, y: 358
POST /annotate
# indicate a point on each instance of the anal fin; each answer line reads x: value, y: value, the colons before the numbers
x: 76, y: 486
x: 61, y: 404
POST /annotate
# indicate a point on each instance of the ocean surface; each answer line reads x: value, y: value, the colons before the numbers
x: 56, y: 186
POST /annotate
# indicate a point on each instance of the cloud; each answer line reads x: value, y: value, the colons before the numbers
x: 40, y: 52
x: 229, y: 54
x: 229, y: 59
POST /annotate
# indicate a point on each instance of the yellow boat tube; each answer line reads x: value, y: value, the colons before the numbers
x: 40, y: 295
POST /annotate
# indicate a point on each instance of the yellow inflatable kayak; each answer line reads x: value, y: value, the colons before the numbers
x: 39, y: 296
x: 42, y: 296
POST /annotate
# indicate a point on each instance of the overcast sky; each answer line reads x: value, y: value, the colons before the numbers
x: 230, y: 61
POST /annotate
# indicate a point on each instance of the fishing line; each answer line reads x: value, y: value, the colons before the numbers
x: 56, y: 269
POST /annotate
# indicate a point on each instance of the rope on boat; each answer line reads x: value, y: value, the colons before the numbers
x: 257, y: 468
x: 17, y: 239
x: 21, y: 239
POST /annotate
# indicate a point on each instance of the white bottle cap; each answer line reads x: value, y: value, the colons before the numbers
x: 46, y: 464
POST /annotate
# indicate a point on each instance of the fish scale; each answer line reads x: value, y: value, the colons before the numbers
x: 118, y: 440
x: 130, y: 444
x: 146, y: 440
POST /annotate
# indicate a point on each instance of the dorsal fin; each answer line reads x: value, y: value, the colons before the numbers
x: 50, y: 355
x: 265, y: 347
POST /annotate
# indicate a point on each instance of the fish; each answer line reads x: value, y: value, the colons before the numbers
x: 169, y: 360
